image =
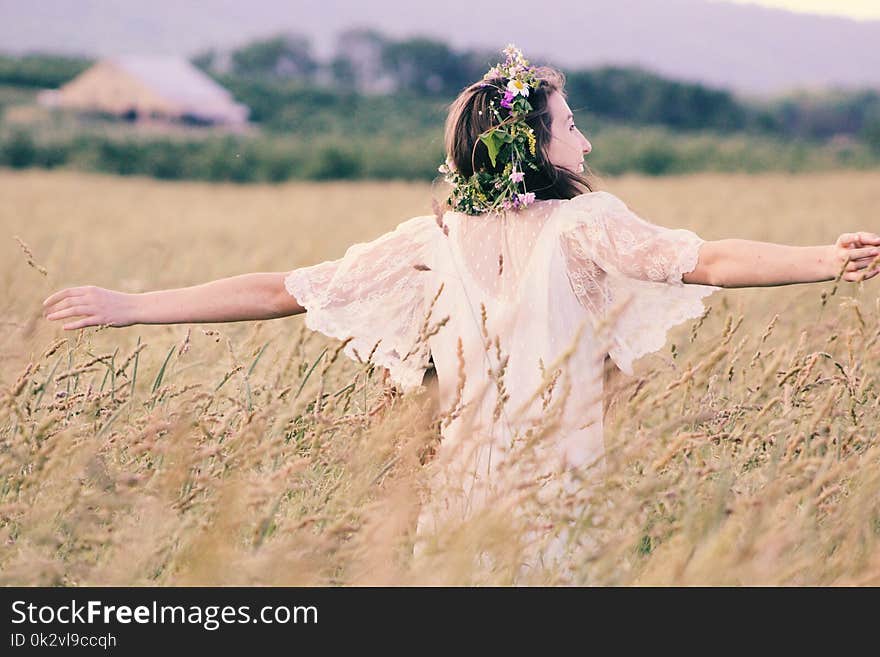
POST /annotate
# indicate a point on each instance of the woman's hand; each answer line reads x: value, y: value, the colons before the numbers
x: 94, y: 305
x: 861, y: 250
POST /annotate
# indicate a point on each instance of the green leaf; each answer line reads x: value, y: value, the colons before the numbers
x: 493, y: 144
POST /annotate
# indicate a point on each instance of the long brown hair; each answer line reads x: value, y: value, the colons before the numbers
x: 469, y: 116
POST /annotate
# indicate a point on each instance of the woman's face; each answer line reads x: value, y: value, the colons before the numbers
x: 567, y: 145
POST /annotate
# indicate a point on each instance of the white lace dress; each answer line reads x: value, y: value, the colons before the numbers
x: 529, y: 304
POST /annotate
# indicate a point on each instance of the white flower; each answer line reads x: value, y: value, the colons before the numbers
x: 513, y: 55
x: 518, y: 87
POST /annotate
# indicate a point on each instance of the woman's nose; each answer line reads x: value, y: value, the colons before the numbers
x: 587, y: 146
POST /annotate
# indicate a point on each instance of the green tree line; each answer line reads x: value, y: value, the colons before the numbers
x: 375, y: 109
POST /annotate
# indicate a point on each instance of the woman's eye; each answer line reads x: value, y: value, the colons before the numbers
x: 572, y: 127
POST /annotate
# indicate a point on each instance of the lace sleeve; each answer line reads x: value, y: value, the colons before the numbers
x: 628, y: 271
x: 375, y: 295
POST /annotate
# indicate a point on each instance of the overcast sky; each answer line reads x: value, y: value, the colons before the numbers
x: 749, y: 47
x: 858, y: 9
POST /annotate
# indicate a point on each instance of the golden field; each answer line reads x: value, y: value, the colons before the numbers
x: 253, y: 453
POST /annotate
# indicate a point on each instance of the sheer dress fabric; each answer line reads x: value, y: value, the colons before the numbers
x: 534, y: 299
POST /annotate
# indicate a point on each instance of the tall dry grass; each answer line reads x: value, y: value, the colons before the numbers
x: 745, y: 452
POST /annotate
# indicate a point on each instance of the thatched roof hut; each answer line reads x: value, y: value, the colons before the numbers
x: 147, y: 86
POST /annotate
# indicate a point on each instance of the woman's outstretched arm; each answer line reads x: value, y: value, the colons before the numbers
x: 237, y: 298
x: 747, y: 263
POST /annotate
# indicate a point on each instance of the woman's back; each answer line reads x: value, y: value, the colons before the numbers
x: 508, y: 300
x: 518, y: 311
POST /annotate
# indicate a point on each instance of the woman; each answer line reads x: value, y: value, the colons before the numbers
x: 518, y: 290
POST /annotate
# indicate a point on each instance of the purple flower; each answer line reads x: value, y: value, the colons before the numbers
x: 505, y: 102
x: 526, y: 199
x: 517, y: 176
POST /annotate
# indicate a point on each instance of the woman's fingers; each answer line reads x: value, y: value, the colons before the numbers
x: 67, y: 292
x: 87, y: 315
x: 864, y: 260
x: 869, y: 238
x: 861, y: 274
x: 62, y: 304
x: 848, y: 240
x: 857, y: 265
x: 72, y: 311
x: 90, y: 305
x: 866, y: 252
x: 859, y: 239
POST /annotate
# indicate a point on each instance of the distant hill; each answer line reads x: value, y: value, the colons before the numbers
x: 746, y: 48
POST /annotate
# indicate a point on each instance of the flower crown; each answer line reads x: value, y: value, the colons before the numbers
x: 511, y: 141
